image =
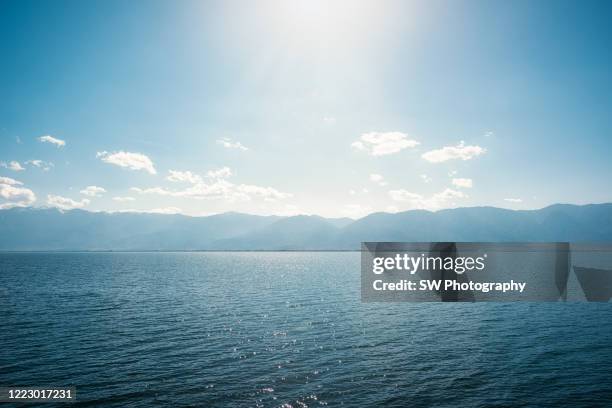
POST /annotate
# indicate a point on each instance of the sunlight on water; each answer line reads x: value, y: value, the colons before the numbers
x: 282, y: 329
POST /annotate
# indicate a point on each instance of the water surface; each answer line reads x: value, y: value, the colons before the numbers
x: 287, y: 328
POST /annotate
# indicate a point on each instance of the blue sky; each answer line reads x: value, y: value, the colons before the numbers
x: 330, y: 108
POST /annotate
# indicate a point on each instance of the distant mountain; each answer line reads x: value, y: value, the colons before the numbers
x: 51, y: 229
x: 558, y: 222
x: 298, y: 232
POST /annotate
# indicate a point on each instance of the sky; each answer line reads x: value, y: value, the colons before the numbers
x: 337, y: 108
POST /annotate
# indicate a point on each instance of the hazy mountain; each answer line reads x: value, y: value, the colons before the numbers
x: 555, y: 223
x: 51, y: 229
x: 298, y: 232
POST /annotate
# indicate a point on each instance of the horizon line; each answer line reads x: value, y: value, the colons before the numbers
x: 295, y: 215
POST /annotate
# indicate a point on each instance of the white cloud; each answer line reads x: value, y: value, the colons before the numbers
x: 461, y: 151
x: 189, y: 177
x: 52, y: 140
x: 159, y: 191
x: 229, y: 144
x: 489, y: 134
x: 164, y: 210
x: 93, y: 191
x: 437, y: 201
x: 13, y: 165
x: 383, y: 143
x: 462, y: 182
x: 123, y: 199
x: 219, y: 189
x: 10, y: 181
x: 133, y: 161
x: 352, y: 192
x: 14, y: 195
x: 378, y: 179
x: 513, y: 200
x: 222, y: 173
x: 41, y: 164
x: 425, y: 178
x: 64, y: 203
x: 183, y: 176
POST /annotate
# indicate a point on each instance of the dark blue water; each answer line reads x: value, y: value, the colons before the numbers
x: 282, y: 329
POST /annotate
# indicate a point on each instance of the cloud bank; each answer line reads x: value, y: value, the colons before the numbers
x: 461, y: 151
x: 217, y: 188
x: 123, y: 199
x: 383, y: 143
x: 14, y: 195
x: 52, y: 140
x: 64, y: 203
x: 41, y: 164
x: 93, y: 191
x: 12, y: 165
x: 229, y: 144
x: 177, y: 176
x: 414, y: 201
x: 129, y: 160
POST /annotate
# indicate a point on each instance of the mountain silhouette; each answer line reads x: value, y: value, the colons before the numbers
x: 38, y: 229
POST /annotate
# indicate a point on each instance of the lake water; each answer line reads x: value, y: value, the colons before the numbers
x: 282, y: 329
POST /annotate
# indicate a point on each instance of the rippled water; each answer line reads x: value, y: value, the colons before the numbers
x: 274, y: 329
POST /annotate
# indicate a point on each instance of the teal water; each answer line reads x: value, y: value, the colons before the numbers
x: 282, y: 329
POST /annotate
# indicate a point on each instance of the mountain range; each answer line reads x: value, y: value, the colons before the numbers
x: 41, y: 229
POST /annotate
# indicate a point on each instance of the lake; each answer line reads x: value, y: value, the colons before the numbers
x: 272, y: 329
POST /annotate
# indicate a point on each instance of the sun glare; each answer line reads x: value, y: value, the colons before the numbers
x: 330, y: 22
